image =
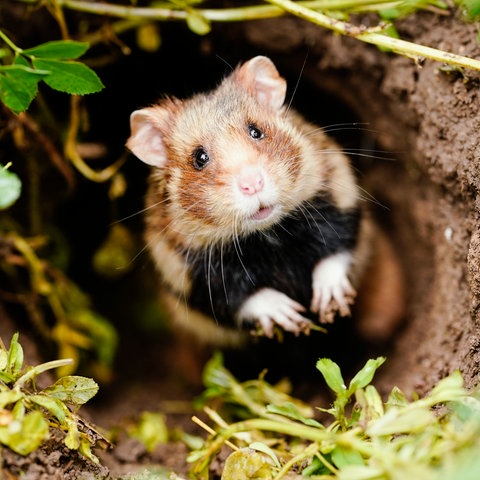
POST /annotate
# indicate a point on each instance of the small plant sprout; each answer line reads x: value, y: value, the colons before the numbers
x: 28, y: 415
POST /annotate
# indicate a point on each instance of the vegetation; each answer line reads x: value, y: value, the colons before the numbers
x: 271, y: 434
x: 28, y: 415
x: 360, y: 437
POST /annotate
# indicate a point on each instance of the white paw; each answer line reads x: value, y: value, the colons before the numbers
x: 269, y: 307
x: 332, y: 290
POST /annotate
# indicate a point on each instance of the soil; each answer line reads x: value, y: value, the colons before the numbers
x: 422, y: 119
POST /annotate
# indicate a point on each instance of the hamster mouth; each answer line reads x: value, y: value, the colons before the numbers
x: 262, y: 213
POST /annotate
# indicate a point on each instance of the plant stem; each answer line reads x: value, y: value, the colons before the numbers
x: 10, y: 43
x: 35, y: 371
x: 72, y: 154
x: 220, y: 14
x: 277, y: 8
x: 402, y: 47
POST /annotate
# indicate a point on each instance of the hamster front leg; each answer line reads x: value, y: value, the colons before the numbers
x: 332, y: 290
x: 269, y: 307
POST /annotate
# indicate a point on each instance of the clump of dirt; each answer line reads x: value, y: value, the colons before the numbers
x: 52, y: 461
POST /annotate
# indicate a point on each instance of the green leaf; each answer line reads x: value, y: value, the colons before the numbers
x: 247, y: 464
x: 261, y: 447
x: 290, y: 411
x: 151, y: 430
x: 448, y: 389
x: 114, y: 256
x: 216, y: 375
x: 198, y: 24
x: 365, y: 375
x: 472, y: 8
x: 58, y: 49
x: 316, y: 467
x: 397, y: 398
x: 73, y: 389
x: 15, y: 93
x: 359, y: 472
x: 85, y: 449
x: 69, y: 77
x: 53, y: 405
x: 3, y: 353
x: 342, y: 456
x: 332, y: 375
x: 396, y: 421
x: 25, y: 435
x: 8, y: 397
x: 19, y: 84
x: 15, y: 355
x: 10, y: 188
x: 72, y: 440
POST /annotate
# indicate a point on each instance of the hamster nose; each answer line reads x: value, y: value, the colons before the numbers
x: 251, y: 183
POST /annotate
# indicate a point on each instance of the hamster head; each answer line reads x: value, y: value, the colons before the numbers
x: 229, y: 161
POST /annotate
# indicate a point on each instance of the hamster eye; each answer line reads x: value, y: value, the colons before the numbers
x: 200, y: 158
x: 255, y: 132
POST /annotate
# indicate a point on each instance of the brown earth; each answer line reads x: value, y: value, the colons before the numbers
x: 422, y: 117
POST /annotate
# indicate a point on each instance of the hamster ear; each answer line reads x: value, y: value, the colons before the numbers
x: 261, y: 78
x: 146, y: 139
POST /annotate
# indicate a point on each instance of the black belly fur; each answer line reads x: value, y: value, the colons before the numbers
x: 282, y: 257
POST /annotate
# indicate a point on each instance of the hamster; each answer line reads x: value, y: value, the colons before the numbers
x: 254, y: 218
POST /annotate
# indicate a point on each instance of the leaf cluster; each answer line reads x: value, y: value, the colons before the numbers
x: 431, y: 438
x: 28, y: 415
x: 51, y: 62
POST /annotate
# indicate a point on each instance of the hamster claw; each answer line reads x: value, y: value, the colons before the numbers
x: 332, y: 291
x: 269, y: 308
x: 334, y: 307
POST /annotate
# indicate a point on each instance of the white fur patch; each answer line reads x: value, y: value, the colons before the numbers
x: 269, y: 307
x: 330, y: 284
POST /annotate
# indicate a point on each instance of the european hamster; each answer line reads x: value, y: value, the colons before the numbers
x: 253, y: 215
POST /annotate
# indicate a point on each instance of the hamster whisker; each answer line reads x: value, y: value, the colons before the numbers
x: 360, y: 152
x: 141, y: 251
x: 238, y: 250
x: 363, y: 194
x: 305, y: 212
x: 367, y: 153
x: 341, y: 127
x: 139, y: 212
x: 287, y: 110
x: 222, y: 272
x: 208, y: 269
x: 157, y: 234
x: 324, y: 219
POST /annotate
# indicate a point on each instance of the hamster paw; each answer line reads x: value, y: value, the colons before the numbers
x: 332, y: 290
x: 269, y: 307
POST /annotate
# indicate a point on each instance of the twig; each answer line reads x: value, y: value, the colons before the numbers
x: 396, y: 45
x: 214, y: 15
x: 305, y: 10
x: 52, y: 153
x: 211, y: 431
x: 73, y: 155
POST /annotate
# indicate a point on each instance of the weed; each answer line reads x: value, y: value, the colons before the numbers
x: 435, y: 437
x: 28, y: 415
